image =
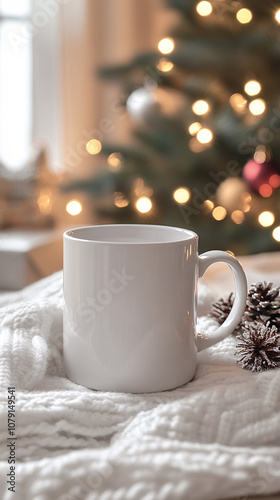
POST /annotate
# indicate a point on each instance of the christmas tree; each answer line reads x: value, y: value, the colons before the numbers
x: 205, y: 118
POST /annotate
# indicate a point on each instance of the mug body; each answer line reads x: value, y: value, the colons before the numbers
x: 130, y: 307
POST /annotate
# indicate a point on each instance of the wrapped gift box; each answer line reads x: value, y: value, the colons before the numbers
x: 27, y: 256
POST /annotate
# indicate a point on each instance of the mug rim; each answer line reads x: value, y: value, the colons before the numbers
x: 190, y: 235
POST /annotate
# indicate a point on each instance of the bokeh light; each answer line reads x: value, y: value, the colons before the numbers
x: 244, y: 16
x: 93, y: 147
x: 274, y: 181
x: 74, y: 207
x: 257, y: 107
x: 277, y: 16
x: 266, y: 219
x: 164, y: 65
x: 265, y: 190
x: 144, y: 204
x: 194, y: 128
x: 208, y: 205
x: 114, y: 161
x: 252, y: 87
x: 166, y: 45
x: 204, y: 136
x: 181, y: 195
x: 120, y: 200
x: 276, y: 233
x: 238, y: 103
x: 204, y: 8
x: 237, y: 216
x: 200, y: 107
x: 219, y: 213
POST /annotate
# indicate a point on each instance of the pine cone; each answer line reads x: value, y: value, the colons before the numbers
x: 263, y: 304
x: 221, y: 309
x: 259, y: 347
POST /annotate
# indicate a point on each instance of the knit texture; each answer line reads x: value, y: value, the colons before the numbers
x: 216, y: 437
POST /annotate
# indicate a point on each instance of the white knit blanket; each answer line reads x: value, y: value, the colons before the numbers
x: 216, y: 437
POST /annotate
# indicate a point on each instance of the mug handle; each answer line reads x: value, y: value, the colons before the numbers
x: 204, y: 261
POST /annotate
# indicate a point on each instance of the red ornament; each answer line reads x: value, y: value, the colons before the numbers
x: 262, y: 178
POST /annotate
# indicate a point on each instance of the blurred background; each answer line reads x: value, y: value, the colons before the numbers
x: 126, y: 111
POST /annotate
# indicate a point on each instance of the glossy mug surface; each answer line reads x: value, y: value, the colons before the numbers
x: 130, y: 306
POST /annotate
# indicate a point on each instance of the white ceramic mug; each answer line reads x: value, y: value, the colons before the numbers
x: 130, y: 306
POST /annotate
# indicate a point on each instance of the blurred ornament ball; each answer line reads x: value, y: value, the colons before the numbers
x: 143, y: 102
x: 232, y: 194
x: 262, y: 177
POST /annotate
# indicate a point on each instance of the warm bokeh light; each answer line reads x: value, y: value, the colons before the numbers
x: 44, y: 201
x: 252, y: 87
x: 164, y: 65
x: 144, y: 204
x: 200, y: 107
x: 265, y: 190
x: 238, y: 103
x: 181, y: 195
x: 274, y: 181
x: 120, y: 200
x: 209, y: 205
x: 266, y: 219
x: 219, y: 213
x: 195, y: 146
x: 204, y: 136
x: 237, y: 216
x: 166, y: 45
x: 257, y: 107
x: 276, y: 233
x: 93, y: 147
x: 244, y: 16
x: 194, y: 128
x: 260, y: 156
x: 204, y: 8
x: 114, y: 161
x: 277, y: 16
x: 74, y: 207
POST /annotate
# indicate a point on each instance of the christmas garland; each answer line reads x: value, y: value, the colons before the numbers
x: 258, y: 333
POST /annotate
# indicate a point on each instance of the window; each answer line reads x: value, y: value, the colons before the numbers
x: 15, y: 84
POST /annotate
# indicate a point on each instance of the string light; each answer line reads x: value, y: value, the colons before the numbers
x: 200, y: 107
x: 166, y: 45
x: 144, y: 204
x: 277, y: 16
x: 252, y: 87
x: 257, y: 107
x: 265, y: 190
x: 164, y: 65
x: 120, y: 200
x: 204, y: 136
x: 181, y: 195
x: 276, y: 233
x: 244, y: 16
x: 194, y: 128
x: 219, y: 213
x: 266, y: 219
x: 93, y: 147
x: 238, y: 103
x: 74, y: 207
x: 204, y: 8
x: 237, y: 216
